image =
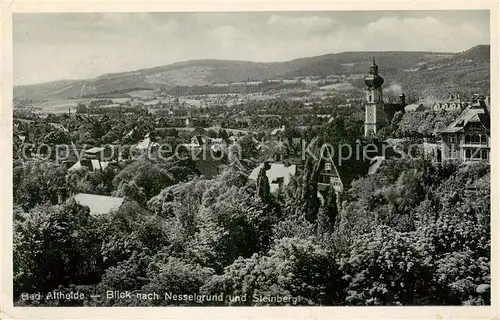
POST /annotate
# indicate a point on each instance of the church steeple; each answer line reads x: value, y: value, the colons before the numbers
x: 374, y: 67
x: 373, y: 79
x: 374, y: 106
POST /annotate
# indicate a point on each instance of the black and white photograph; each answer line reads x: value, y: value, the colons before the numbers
x: 251, y: 158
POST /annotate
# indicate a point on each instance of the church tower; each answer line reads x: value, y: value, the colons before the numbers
x: 374, y: 107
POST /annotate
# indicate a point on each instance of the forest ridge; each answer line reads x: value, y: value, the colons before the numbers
x: 465, y: 72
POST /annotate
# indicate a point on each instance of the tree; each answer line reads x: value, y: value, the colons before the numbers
x: 310, y: 201
x: 385, y: 267
x: 55, y: 246
x: 236, y: 225
x: 295, y: 268
x: 170, y: 274
x: 36, y: 183
x: 57, y: 137
x: 145, y: 178
x: 264, y: 191
x: 327, y: 213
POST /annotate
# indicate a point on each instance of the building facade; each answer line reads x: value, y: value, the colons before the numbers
x: 468, y: 137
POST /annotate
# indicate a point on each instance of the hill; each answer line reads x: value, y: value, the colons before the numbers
x: 428, y: 72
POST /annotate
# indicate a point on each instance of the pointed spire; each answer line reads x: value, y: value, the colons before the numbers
x: 374, y: 61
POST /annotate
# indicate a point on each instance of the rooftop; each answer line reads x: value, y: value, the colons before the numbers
x: 98, y: 204
x: 472, y: 114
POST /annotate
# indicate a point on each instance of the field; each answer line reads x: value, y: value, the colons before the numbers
x: 345, y: 86
x: 58, y: 106
x: 142, y: 94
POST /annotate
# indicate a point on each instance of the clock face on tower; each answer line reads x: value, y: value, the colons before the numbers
x: 369, y: 114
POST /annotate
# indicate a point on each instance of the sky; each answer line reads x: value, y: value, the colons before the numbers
x: 56, y: 46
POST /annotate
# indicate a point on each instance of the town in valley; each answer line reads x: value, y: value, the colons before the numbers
x: 354, y: 178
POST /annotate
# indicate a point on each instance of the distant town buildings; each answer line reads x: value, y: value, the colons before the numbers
x: 454, y: 102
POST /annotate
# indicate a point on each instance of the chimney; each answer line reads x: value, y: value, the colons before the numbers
x: 402, y: 98
x: 483, y: 106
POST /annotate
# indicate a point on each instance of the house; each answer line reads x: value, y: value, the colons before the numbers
x: 329, y: 177
x: 278, y: 174
x: 91, y: 164
x: 105, y: 153
x: 467, y: 138
x: 414, y: 107
x: 338, y: 168
x: 278, y: 131
x: 98, y: 204
x: 454, y: 102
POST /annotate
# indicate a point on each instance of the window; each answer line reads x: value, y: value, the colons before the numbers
x: 335, y: 181
x: 484, y: 154
x: 328, y: 166
x: 467, y: 154
x: 475, y: 138
x: 484, y: 139
x: 476, y: 154
x: 467, y: 138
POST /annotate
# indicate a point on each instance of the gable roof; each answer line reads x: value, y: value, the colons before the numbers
x: 471, y: 114
x: 98, y: 204
x: 94, y: 150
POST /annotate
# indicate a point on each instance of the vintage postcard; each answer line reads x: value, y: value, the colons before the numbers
x: 241, y: 161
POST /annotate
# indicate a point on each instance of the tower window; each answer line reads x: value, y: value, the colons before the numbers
x: 328, y: 166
